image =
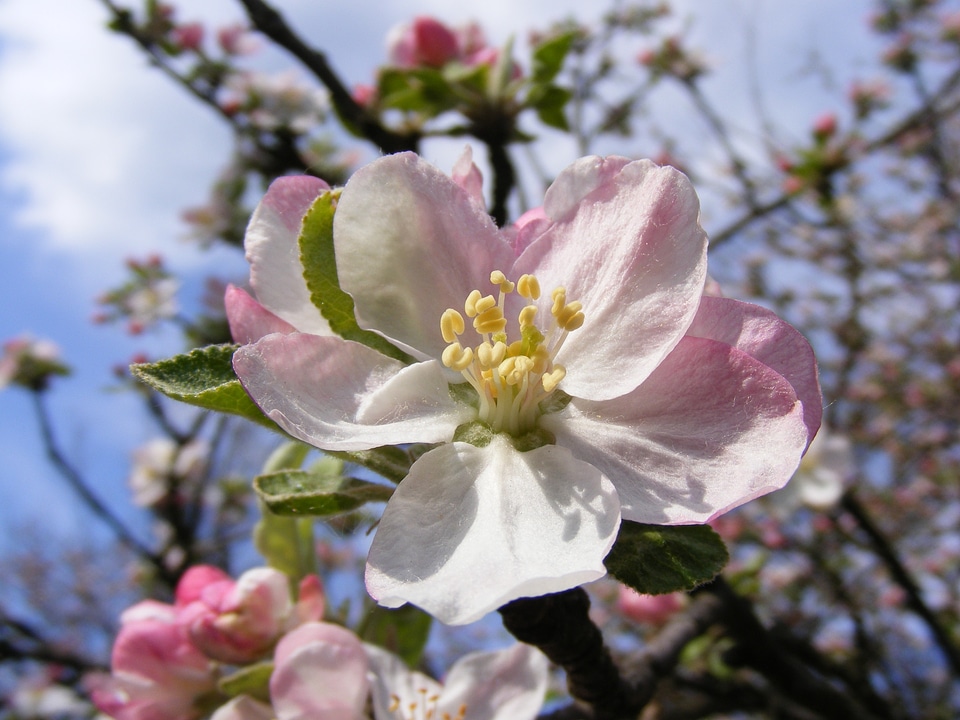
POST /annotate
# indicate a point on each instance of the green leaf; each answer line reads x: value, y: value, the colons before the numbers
x: 658, y: 559
x: 252, y: 680
x: 205, y: 378
x: 403, y: 631
x: 549, y: 55
x: 549, y: 101
x: 299, y: 492
x: 320, y: 272
x: 421, y: 90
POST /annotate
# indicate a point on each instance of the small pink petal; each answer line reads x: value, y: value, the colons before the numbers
x: 249, y: 320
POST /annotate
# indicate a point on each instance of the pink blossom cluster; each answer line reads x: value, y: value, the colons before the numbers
x: 30, y: 362
x: 173, y: 662
x: 167, y: 658
x: 427, y: 42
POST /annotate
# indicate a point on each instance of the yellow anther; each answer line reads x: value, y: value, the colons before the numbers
x: 451, y: 325
x: 551, y: 379
x: 457, y: 357
x: 491, y: 356
x: 541, y: 359
x: 526, y: 316
x: 489, y: 320
x: 470, y: 304
x: 529, y: 287
x: 484, y: 304
x: 394, y: 702
x: 559, y: 296
x: 499, y: 279
x: 514, y: 369
x: 569, y: 317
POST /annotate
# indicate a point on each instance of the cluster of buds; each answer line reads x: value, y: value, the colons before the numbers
x: 869, y: 96
x: 168, y: 658
x: 146, y: 299
x: 671, y: 59
x: 30, y: 363
x: 244, y: 650
x: 163, y: 470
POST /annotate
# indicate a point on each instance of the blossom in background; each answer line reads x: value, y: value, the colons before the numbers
x: 427, y: 42
x: 648, y: 609
x: 162, y: 466
x: 279, y: 100
x: 822, y: 477
x: 591, y: 380
x: 502, y: 685
x: 40, y: 696
x: 146, y: 299
x: 30, y: 362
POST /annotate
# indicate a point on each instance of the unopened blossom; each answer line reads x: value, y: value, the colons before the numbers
x: 570, y: 370
x: 502, y: 685
x: 240, y: 621
x: 157, y: 673
x: 423, y: 42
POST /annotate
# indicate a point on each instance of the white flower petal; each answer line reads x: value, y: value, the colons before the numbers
x: 273, y: 251
x: 411, y: 243
x: 340, y: 395
x: 710, y: 429
x: 527, y: 523
x: 503, y: 685
x: 393, y: 684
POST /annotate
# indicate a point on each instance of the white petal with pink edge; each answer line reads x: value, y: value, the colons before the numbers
x: 273, y: 251
x: 340, y: 395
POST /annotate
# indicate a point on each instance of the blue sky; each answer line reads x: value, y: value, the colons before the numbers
x: 99, y: 154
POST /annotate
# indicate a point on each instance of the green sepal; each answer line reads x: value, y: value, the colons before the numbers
x: 203, y: 377
x: 252, y: 680
x: 549, y: 55
x: 421, y: 90
x: 403, y: 631
x: 319, y: 263
x: 300, y: 492
x: 659, y: 559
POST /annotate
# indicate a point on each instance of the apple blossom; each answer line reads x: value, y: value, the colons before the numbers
x: 240, y: 621
x: 648, y: 609
x: 425, y: 41
x: 591, y: 379
x: 161, y: 465
x: 30, y: 362
x: 503, y: 685
x: 157, y: 673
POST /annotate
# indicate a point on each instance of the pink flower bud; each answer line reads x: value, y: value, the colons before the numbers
x: 825, y: 126
x: 235, y: 40
x: 648, y: 609
x: 426, y: 41
x: 239, y: 622
x: 188, y: 36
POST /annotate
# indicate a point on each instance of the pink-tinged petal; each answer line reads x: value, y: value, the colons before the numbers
x: 320, y: 671
x: 762, y: 335
x: 709, y: 430
x: 526, y: 523
x: 526, y: 229
x: 273, y: 251
x: 195, y: 580
x: 243, y: 707
x: 466, y: 174
x: 633, y: 252
x: 411, y: 243
x: 249, y: 320
x: 310, y: 601
x: 149, y: 610
x: 577, y: 181
x: 503, y: 685
x: 340, y: 395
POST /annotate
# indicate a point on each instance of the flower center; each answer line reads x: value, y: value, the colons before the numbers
x: 511, y: 377
x: 425, y: 708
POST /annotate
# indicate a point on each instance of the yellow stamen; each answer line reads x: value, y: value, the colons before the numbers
x: 451, y: 325
x: 511, y: 377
